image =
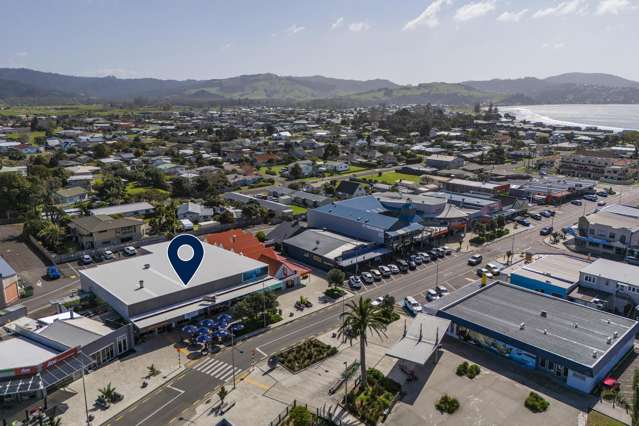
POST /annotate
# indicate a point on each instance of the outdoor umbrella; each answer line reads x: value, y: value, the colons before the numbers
x: 189, y: 329
x: 204, y: 339
x: 610, y: 382
x: 224, y: 318
x: 237, y: 327
x: 203, y: 330
x: 209, y: 323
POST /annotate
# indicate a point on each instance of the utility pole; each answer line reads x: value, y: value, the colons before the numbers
x: 84, y: 389
x: 233, y: 355
x: 436, y: 274
x: 345, y: 382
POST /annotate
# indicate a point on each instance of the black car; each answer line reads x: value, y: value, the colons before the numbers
x: 576, y: 202
x: 412, y: 265
x: 546, y: 230
x: 433, y: 255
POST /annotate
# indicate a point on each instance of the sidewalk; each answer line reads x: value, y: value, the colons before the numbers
x: 126, y: 375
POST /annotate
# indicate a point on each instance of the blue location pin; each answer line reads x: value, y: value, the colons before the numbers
x: 185, y: 269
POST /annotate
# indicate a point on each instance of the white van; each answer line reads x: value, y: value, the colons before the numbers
x: 412, y: 305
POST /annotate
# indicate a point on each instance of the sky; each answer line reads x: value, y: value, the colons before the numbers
x: 406, y: 41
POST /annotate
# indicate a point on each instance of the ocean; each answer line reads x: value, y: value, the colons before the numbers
x: 611, y: 117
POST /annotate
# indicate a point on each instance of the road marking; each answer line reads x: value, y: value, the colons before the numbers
x: 261, y: 351
x: 469, y: 279
x: 257, y: 384
x: 117, y: 419
x: 181, y: 392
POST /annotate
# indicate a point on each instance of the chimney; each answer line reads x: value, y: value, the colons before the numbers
x: 544, y: 314
x: 141, y: 284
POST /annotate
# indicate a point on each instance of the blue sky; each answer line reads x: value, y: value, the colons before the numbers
x: 407, y: 41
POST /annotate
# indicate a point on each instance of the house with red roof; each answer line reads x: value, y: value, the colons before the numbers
x: 246, y: 244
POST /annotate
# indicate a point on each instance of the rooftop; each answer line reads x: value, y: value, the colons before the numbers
x: 558, y: 270
x: 122, y: 278
x: 613, y: 220
x: 567, y: 329
x: 99, y: 223
x: 122, y: 209
x: 19, y: 352
x: 618, y: 271
x: 324, y: 243
x: 5, y: 269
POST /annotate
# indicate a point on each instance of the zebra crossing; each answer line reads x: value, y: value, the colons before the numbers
x: 216, y: 368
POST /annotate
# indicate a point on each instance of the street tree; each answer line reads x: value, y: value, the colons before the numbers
x: 336, y: 277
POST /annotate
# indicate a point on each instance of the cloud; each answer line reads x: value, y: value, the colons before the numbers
x: 562, y: 9
x: 293, y: 29
x: 512, y: 16
x: 428, y: 17
x: 613, y: 7
x: 474, y: 10
x: 357, y: 27
x: 557, y: 45
x: 337, y: 23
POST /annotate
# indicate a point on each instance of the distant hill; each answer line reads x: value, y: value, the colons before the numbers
x: 25, y: 86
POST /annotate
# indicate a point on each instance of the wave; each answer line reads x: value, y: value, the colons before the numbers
x: 526, y: 113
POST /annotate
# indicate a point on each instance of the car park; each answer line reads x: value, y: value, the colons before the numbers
x: 129, y: 250
x: 576, y: 202
x: 378, y: 301
x: 412, y: 305
x: 475, y: 259
x: 86, y: 259
x: 376, y: 274
x: 431, y: 295
x: 385, y: 271
x: 367, y: 277
x: 535, y: 216
x: 546, y: 230
x: 53, y: 273
x: 355, y: 282
x: 441, y: 290
x: 394, y: 269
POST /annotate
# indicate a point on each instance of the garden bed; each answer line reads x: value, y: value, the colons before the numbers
x: 305, y: 354
x: 376, y: 400
x: 334, y: 292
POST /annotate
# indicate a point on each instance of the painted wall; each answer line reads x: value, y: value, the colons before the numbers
x: 537, y: 285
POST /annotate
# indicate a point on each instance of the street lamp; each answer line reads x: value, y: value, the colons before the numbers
x: 233, y: 355
x: 345, y: 382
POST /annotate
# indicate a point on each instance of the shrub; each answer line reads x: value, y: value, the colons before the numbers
x: 447, y: 404
x: 477, y: 240
x: 462, y: 369
x: 536, y: 403
x: 473, y: 371
x: 334, y: 292
x: 300, y: 416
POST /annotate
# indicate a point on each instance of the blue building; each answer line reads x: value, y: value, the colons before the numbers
x: 554, y: 274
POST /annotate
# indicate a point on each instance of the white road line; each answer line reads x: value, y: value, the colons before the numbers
x: 223, y: 371
x: 229, y: 374
x: 213, y: 366
x: 218, y: 370
x: 181, y: 392
x: 261, y: 351
x: 204, y: 364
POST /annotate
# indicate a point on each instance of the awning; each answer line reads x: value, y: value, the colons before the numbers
x: 364, y: 257
x: 420, y: 340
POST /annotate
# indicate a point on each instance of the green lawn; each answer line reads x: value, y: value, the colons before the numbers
x: 132, y: 189
x: 297, y: 210
x: 391, y: 178
x: 353, y: 169
x: 15, y: 136
x: 595, y: 418
x: 262, y: 170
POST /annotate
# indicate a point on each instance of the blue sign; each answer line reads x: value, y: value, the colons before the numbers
x: 185, y: 267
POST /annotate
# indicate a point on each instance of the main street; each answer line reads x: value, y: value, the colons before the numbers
x: 176, y: 400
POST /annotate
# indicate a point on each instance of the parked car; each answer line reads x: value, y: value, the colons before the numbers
x: 53, y: 273
x: 441, y: 290
x: 378, y: 301
x: 441, y: 253
x: 590, y: 197
x: 546, y: 230
x: 475, y: 259
x: 355, y: 282
x: 367, y: 277
x: 412, y: 305
x: 130, y: 251
x: 447, y: 250
x: 376, y: 274
x: 546, y: 213
x: 107, y: 255
x: 601, y: 203
x: 433, y: 254
x: 385, y: 271
x: 425, y: 257
x: 412, y: 265
x: 417, y: 259
x: 493, y: 268
x: 403, y: 265
x: 523, y: 222
x: 86, y: 259
x: 602, y: 193
x: 394, y: 269
x: 431, y: 295
x: 535, y: 216
x: 576, y: 202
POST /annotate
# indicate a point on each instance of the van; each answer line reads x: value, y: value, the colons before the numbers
x: 412, y: 305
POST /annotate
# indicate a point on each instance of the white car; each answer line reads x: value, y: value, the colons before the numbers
x: 376, y: 274
x: 393, y: 268
x: 386, y: 272
x: 130, y: 250
x: 483, y: 271
x: 86, y: 259
x: 108, y: 254
x: 377, y: 301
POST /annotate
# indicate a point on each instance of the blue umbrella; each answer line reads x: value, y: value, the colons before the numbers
x: 224, y: 318
x: 203, y: 330
x: 209, y: 323
x: 189, y: 329
x: 237, y: 327
x: 221, y: 333
x: 203, y: 338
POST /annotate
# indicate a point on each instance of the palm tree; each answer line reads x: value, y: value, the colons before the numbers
x: 108, y: 392
x: 361, y: 318
x: 50, y: 235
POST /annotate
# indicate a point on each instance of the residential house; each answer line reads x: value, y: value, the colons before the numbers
x: 350, y: 189
x: 72, y: 195
x: 92, y: 232
x: 194, y: 212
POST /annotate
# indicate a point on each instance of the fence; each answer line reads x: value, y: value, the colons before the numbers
x: 321, y: 413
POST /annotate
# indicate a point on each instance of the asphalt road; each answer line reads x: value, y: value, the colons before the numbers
x: 453, y: 272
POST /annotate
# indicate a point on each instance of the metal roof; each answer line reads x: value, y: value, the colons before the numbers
x: 371, y: 219
x: 324, y: 243
x: 420, y: 339
x: 618, y: 271
x: 122, y: 209
x: 500, y: 309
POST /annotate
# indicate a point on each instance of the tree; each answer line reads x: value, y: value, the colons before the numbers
x: 501, y: 222
x: 222, y: 394
x: 255, y: 304
x: 295, y: 172
x: 16, y: 194
x: 112, y: 189
x: 336, y: 277
x: 331, y: 150
x: 388, y: 305
x: 362, y: 318
x: 165, y: 220
x: 227, y: 217
x: 101, y: 151
x: 181, y: 187
x: 261, y: 236
x: 50, y: 235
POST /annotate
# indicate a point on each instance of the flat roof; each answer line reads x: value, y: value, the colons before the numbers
x: 618, y: 271
x: 501, y: 308
x: 122, y: 278
x: 324, y: 243
x: 122, y: 208
x: 18, y: 352
x: 420, y: 340
x: 558, y: 270
x: 613, y: 220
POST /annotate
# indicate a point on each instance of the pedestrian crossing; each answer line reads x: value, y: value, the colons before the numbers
x: 216, y: 368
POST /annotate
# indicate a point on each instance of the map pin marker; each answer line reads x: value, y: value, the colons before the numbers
x: 185, y: 267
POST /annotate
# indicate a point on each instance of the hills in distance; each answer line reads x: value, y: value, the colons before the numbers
x: 25, y: 86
